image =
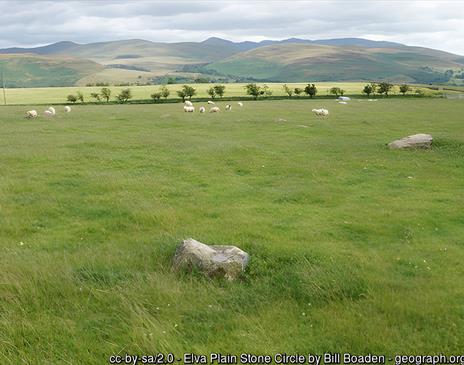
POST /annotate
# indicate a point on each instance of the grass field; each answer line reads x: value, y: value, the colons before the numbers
x: 59, y: 94
x: 353, y: 247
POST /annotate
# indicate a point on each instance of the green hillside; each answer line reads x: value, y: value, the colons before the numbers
x: 292, y: 60
x: 35, y: 71
x: 297, y: 62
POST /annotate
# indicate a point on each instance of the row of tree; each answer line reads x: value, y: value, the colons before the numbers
x: 254, y: 90
x: 371, y: 88
x: 104, y: 94
x: 383, y: 88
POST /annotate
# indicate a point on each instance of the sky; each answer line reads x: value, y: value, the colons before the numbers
x: 434, y: 24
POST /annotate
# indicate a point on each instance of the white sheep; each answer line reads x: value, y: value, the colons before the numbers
x: 321, y: 112
x: 211, y: 102
x: 214, y: 109
x: 188, y: 103
x: 240, y: 104
x: 228, y: 107
x: 202, y: 109
x: 31, y: 114
x: 52, y: 110
x: 48, y: 113
x: 67, y: 109
x: 189, y: 109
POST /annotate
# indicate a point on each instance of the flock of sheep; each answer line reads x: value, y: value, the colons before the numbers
x: 189, y: 108
x: 50, y: 112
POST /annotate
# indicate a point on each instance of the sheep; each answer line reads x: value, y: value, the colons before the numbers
x: 240, y: 104
x: 211, y: 102
x: 189, y: 109
x: 321, y: 112
x: 202, y: 109
x: 188, y: 103
x: 214, y: 109
x: 228, y: 107
x: 67, y: 109
x: 48, y: 113
x: 52, y: 110
x: 31, y: 114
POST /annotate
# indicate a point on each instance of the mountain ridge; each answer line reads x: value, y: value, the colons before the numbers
x: 222, y: 60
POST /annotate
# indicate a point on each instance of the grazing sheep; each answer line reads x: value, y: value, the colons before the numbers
x: 344, y: 98
x: 67, y: 109
x: 211, y: 102
x: 214, y: 109
x: 188, y: 103
x: 202, y: 109
x: 31, y: 114
x: 48, y: 113
x: 189, y: 109
x: 240, y: 104
x: 321, y: 112
x: 228, y: 107
x: 52, y: 110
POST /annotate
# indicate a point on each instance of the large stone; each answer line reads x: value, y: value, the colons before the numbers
x: 214, y: 261
x: 420, y: 140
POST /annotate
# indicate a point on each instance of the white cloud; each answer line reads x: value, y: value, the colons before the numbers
x: 434, y: 24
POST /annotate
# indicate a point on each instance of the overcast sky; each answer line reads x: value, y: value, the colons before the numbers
x: 435, y: 24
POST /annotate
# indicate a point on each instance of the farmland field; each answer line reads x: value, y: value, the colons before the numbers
x: 59, y: 94
x: 353, y: 247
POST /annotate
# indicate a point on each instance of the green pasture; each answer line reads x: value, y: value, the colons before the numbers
x: 353, y: 247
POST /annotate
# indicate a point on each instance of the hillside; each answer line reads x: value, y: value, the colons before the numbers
x: 297, y: 62
x: 289, y: 60
x: 39, y: 71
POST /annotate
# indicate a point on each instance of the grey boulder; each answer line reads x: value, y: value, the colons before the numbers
x: 213, y: 260
x: 420, y: 140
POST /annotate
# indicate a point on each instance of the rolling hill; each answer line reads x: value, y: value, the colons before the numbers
x: 141, y: 61
x: 32, y: 70
x: 296, y: 62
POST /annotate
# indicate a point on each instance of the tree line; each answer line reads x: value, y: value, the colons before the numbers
x: 217, y: 91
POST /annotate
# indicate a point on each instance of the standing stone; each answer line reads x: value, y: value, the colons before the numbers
x: 214, y: 261
x: 420, y: 140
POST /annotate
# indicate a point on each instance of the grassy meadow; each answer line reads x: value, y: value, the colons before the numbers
x: 353, y: 247
x: 59, y: 94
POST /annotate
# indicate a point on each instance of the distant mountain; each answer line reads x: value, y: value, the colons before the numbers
x: 358, y: 42
x: 314, y: 62
x: 292, y: 59
x: 27, y: 70
x: 54, y: 48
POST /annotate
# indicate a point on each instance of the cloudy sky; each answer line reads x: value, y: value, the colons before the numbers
x: 435, y: 24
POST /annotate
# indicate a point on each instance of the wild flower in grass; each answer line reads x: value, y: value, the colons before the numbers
x: 21, y: 243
